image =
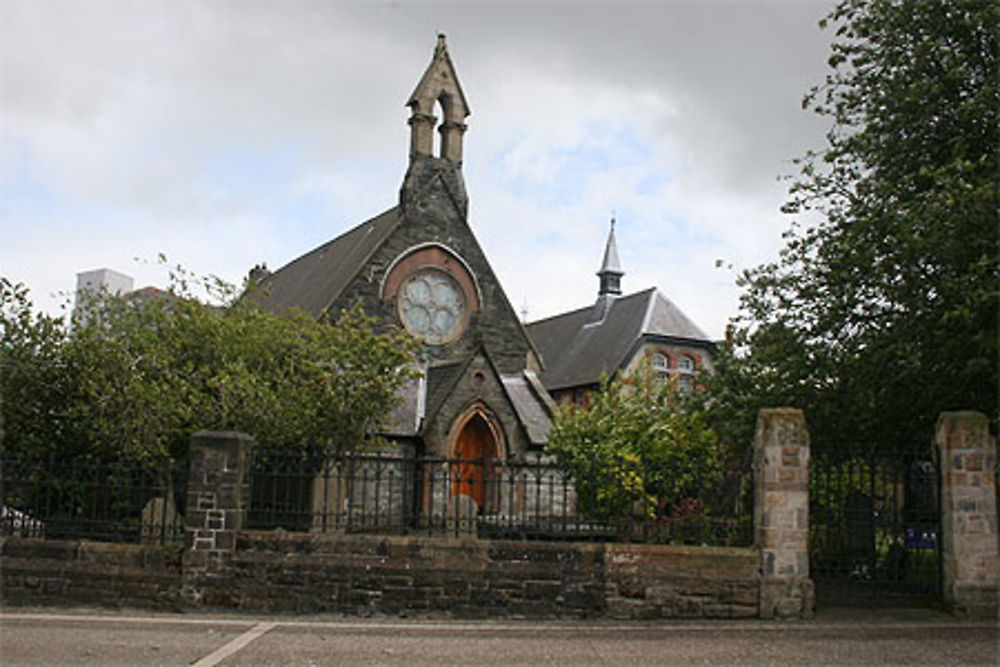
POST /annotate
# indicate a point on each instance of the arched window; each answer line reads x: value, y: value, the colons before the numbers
x: 685, y: 373
x: 437, y: 136
x: 660, y: 363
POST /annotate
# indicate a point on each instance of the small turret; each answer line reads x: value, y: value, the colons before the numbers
x: 611, y: 270
x: 611, y: 275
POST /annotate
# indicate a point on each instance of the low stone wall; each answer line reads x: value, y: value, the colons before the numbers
x: 367, y: 575
x: 645, y: 582
x: 364, y: 575
x: 36, y: 571
x: 224, y: 565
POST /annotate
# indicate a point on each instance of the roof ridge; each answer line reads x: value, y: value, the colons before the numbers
x: 558, y: 315
x: 644, y: 327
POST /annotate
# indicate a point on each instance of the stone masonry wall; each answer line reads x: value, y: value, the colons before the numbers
x: 646, y: 582
x: 366, y: 575
x: 226, y: 566
x: 37, y: 571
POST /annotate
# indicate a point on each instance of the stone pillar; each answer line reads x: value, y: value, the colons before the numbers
x: 781, y: 513
x: 451, y: 140
x: 421, y: 133
x: 218, y: 494
x: 970, y: 562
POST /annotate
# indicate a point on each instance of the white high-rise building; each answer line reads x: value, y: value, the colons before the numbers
x: 98, y: 281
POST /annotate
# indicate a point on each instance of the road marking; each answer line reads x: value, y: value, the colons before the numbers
x: 223, y: 652
x: 376, y: 624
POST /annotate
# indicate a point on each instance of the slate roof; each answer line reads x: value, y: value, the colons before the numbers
x: 315, y: 280
x: 530, y: 400
x: 532, y: 403
x: 441, y: 379
x: 407, y: 417
x: 577, y: 350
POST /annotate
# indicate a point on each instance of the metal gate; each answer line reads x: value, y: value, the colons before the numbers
x: 873, y: 532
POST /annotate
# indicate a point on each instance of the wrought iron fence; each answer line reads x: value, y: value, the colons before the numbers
x: 874, y: 527
x: 381, y: 492
x: 399, y: 493
x: 94, y: 499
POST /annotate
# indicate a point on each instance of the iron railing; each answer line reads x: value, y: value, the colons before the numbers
x: 382, y: 493
x: 874, y: 527
x: 91, y: 498
x: 398, y: 493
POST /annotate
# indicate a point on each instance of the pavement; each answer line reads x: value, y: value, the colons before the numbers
x: 86, y: 636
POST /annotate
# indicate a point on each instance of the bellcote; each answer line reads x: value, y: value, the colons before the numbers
x: 431, y: 176
x: 438, y: 86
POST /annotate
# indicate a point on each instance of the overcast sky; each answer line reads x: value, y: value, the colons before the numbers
x: 224, y: 134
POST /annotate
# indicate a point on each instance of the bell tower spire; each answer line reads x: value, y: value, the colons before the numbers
x: 438, y: 90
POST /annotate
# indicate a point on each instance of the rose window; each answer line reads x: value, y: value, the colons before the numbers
x: 431, y: 306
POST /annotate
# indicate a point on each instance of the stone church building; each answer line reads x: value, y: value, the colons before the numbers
x: 488, y: 380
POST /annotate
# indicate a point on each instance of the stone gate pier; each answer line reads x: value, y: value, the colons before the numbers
x: 781, y: 513
x: 969, y: 545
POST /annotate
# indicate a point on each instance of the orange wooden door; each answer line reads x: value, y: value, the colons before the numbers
x: 475, y: 444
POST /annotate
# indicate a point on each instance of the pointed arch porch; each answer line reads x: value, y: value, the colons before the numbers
x: 475, y: 442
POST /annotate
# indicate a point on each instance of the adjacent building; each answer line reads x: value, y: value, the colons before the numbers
x: 615, y: 334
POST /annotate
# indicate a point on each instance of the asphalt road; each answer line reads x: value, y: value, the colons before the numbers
x: 89, y: 637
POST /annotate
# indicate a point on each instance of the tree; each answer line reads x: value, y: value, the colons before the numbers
x: 633, y: 450
x: 33, y: 384
x: 882, y: 312
x: 136, y: 377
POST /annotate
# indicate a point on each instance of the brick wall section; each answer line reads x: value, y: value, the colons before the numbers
x: 970, y: 562
x: 38, y: 572
x: 781, y: 513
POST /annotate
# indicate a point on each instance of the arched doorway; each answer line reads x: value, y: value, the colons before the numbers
x: 476, y: 446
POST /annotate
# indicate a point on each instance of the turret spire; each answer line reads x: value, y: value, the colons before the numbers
x: 611, y: 271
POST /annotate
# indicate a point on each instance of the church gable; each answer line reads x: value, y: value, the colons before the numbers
x: 420, y: 266
x: 437, y: 249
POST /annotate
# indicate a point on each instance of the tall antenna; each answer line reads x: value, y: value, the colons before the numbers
x: 524, y: 310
